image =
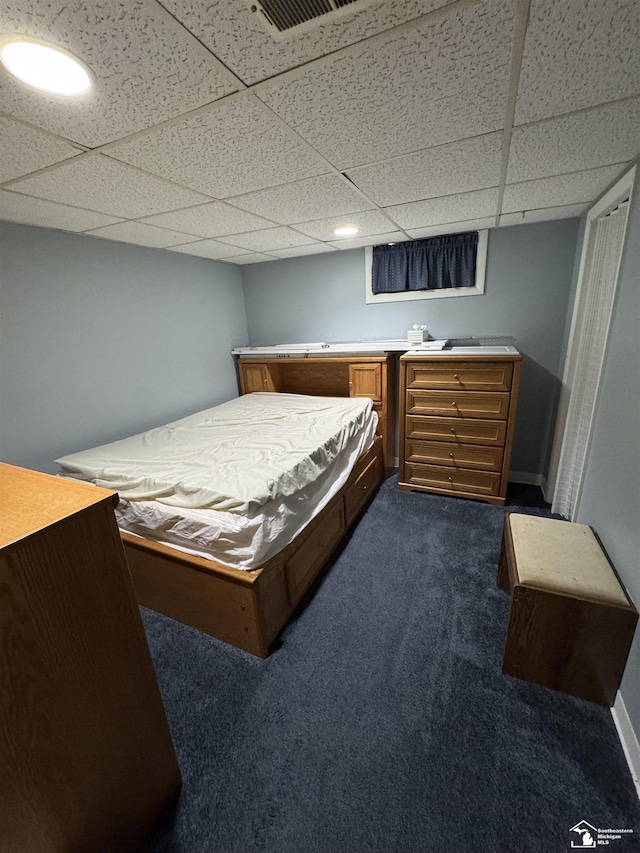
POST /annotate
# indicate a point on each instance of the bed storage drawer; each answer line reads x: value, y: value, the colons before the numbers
x: 303, y: 565
x: 454, y: 455
x: 463, y: 375
x: 467, y: 404
x: 361, y: 490
x: 465, y: 430
x: 453, y: 479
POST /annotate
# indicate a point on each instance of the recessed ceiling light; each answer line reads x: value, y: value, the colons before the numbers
x: 44, y: 66
x: 346, y: 231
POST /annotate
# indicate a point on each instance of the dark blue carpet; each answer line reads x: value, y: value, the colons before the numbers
x: 382, y: 723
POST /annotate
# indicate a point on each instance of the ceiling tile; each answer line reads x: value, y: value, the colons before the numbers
x: 313, y: 198
x: 570, y: 211
x: 372, y: 240
x: 46, y: 214
x: 448, y: 169
x: 271, y: 238
x: 237, y: 36
x: 443, y: 80
x: 297, y: 251
x: 146, y: 66
x: 454, y: 227
x: 576, y: 188
x: 578, y: 53
x: 234, y: 146
x: 26, y: 149
x: 209, y: 249
x: 106, y: 186
x: 216, y: 219
x: 139, y: 234
x: 368, y: 222
x: 254, y: 258
x: 598, y: 137
x: 408, y: 98
x: 451, y: 208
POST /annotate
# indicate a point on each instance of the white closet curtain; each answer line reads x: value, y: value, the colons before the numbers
x: 608, y: 238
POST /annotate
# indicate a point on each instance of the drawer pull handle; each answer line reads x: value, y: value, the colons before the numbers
x: 455, y: 376
x: 453, y: 430
x: 450, y: 479
x: 451, y: 454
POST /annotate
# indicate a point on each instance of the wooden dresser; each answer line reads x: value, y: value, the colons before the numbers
x: 331, y: 376
x: 86, y: 758
x: 457, y: 416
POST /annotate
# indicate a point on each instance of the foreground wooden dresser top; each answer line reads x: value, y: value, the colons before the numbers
x: 457, y: 417
x: 86, y: 759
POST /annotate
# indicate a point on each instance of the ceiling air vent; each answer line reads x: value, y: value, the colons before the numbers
x: 283, y: 17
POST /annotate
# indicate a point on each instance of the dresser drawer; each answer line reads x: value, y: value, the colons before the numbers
x: 464, y: 430
x: 453, y: 480
x: 455, y: 455
x: 465, y: 404
x: 465, y: 375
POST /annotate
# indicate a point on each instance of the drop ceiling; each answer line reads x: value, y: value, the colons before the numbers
x: 207, y: 135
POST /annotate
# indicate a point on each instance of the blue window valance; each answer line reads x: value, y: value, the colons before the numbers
x: 432, y: 264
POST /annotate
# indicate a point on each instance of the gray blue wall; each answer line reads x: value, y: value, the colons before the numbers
x: 99, y: 340
x: 610, y: 500
x: 529, y: 272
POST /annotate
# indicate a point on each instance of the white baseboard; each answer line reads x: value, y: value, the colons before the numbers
x: 628, y: 739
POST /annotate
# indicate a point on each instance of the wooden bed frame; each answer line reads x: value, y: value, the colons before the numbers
x: 248, y: 609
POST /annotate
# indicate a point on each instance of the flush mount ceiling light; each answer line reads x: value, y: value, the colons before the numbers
x: 44, y: 66
x: 346, y: 231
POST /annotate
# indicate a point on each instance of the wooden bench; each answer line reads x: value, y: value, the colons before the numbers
x: 571, y: 621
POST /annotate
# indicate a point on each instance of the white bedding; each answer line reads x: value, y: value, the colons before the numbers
x: 237, y: 482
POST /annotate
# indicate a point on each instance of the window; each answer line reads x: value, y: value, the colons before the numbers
x: 444, y: 259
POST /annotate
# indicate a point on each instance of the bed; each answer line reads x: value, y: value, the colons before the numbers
x: 228, y: 516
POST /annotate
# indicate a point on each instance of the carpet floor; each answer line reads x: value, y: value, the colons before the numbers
x: 382, y: 722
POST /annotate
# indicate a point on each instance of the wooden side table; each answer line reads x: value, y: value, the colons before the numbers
x: 571, y: 622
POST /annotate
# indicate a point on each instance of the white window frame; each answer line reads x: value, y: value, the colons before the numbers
x: 441, y: 293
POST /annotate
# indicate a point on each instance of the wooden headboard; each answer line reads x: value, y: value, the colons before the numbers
x: 371, y: 376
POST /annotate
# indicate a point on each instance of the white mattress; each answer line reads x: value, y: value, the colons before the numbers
x: 235, y: 483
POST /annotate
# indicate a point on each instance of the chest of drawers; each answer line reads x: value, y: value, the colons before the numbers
x: 457, y: 416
